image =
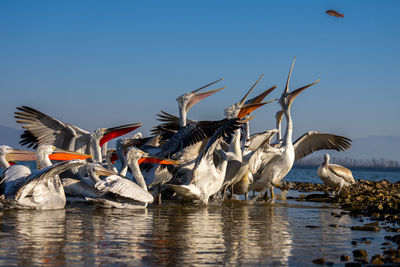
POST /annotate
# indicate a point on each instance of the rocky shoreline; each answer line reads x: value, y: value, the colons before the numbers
x: 380, y: 201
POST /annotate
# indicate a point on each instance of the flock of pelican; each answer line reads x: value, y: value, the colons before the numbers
x: 182, y: 159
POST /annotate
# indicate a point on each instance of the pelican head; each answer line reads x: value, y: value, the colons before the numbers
x: 242, y: 108
x: 186, y: 101
x: 326, y: 158
x: 287, y: 97
x: 97, y: 169
x: 45, y: 149
x: 137, y: 135
x: 12, y: 154
x: 232, y: 112
x: 136, y: 155
x: 103, y: 135
x: 4, y: 150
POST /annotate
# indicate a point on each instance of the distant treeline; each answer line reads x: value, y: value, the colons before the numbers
x: 350, y: 162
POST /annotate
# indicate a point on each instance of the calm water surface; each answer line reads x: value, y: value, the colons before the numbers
x: 172, y: 234
x: 288, y: 233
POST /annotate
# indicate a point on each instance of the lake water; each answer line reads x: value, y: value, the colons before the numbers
x: 309, y: 174
x: 288, y: 233
x: 171, y: 234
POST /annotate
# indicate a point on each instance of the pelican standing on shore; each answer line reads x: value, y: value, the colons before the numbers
x: 335, y: 175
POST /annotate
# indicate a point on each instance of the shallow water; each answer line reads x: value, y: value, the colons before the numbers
x: 288, y: 233
x: 172, y: 234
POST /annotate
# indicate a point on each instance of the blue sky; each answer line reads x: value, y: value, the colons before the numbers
x: 104, y: 63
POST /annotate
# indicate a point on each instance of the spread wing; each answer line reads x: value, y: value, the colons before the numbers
x: 43, y: 129
x: 125, y: 188
x: 313, y: 141
x: 261, y: 139
x: 190, y: 135
x: 169, y: 125
x: 43, y: 174
x: 226, y: 130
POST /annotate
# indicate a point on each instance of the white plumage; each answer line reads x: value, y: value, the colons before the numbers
x: 335, y: 175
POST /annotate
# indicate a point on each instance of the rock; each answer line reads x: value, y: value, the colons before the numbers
x: 312, y: 226
x: 334, y: 225
x: 395, y: 239
x: 366, y: 228
x: 392, y: 252
x: 377, y: 260
x: 320, y: 261
x: 354, y: 243
x: 372, y: 224
x: 345, y: 258
x: 360, y: 253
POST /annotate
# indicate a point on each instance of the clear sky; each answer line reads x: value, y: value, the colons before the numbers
x: 105, y: 63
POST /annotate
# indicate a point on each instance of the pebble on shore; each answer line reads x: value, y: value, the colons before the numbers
x: 378, y: 200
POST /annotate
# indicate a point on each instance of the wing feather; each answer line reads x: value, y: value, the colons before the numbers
x: 43, y: 129
x: 313, y: 141
x: 261, y: 139
x: 125, y: 188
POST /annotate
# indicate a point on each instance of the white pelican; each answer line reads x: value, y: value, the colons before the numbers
x: 237, y: 167
x: 41, y: 189
x: 43, y: 129
x: 208, y: 173
x: 335, y: 175
x: 257, y: 144
x: 81, y: 185
x: 120, y: 192
x: 186, y: 101
x: 9, y: 154
x: 186, y: 144
x: 210, y: 166
x: 280, y: 160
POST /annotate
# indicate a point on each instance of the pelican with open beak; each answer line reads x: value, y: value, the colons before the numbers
x: 114, y: 132
x: 280, y: 160
x: 188, y: 100
x: 41, y: 189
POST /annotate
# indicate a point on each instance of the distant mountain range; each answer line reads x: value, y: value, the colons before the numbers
x: 372, y: 147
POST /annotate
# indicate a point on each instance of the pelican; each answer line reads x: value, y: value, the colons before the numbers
x: 208, y: 174
x: 209, y: 171
x: 9, y: 154
x: 81, y: 185
x: 237, y: 167
x: 41, y: 189
x: 254, y: 150
x: 44, y: 129
x: 186, y: 101
x: 186, y: 144
x: 335, y: 175
x: 280, y: 160
x: 121, y: 192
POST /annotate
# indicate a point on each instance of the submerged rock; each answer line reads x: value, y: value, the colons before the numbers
x: 345, y: 258
x: 320, y: 261
x: 360, y: 253
x: 366, y: 228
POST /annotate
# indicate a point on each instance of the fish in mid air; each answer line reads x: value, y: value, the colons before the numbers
x: 334, y: 13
